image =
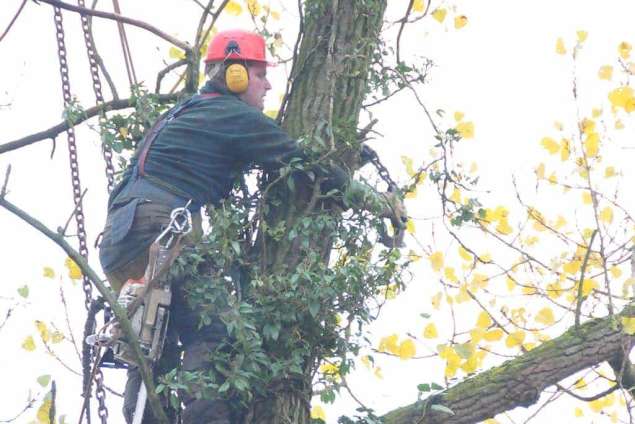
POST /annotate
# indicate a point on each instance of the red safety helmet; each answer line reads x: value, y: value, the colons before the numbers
x: 236, y: 44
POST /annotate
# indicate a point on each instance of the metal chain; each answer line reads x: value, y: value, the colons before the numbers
x: 94, y: 73
x: 100, y: 393
x: 77, y: 191
x: 381, y: 170
x: 72, y: 152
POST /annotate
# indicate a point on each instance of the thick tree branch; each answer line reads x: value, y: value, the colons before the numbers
x: 120, y: 313
x: 520, y: 381
x: 88, y: 113
x: 119, y: 18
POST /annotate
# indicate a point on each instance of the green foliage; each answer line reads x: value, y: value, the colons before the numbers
x: 123, y: 131
x: 280, y: 325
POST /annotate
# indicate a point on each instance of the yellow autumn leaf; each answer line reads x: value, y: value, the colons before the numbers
x: 458, y: 116
x: 430, y: 331
x: 605, y: 72
x: 515, y: 339
x: 592, y: 144
x: 565, y: 150
x: 560, y: 222
x: 233, y: 8
x: 628, y: 324
x: 560, y: 48
x: 450, y: 275
x: 511, y: 284
x: 460, y: 21
x: 176, y: 53
x: 418, y: 6
x: 378, y: 373
x: 606, y: 215
x: 493, y: 335
x: 540, y: 171
x: 624, y: 49
x: 28, y: 344
x: 464, y: 254
x: 609, y: 172
x: 254, y: 7
x: 271, y: 113
x: 57, y: 336
x: 622, y: 97
x: 580, y: 384
x: 275, y: 15
x: 483, y: 320
x: 588, y: 285
x: 48, y: 272
x: 366, y: 361
x: 503, y: 227
x: 436, y: 300
x: 407, y: 161
x: 74, y: 273
x: 578, y: 412
x: 582, y: 36
x: 550, y: 144
x: 317, y: 413
x: 572, y: 267
x: 587, y: 199
x: 545, y: 316
x: 616, y: 272
x: 465, y: 129
x: 439, y: 14
x: 411, y: 194
x: 596, y: 112
x: 43, y: 330
x: 436, y: 260
x: 389, y: 344
x: 410, y: 226
x: 44, y: 411
x: 456, y: 195
x: 407, y: 349
x: 619, y: 125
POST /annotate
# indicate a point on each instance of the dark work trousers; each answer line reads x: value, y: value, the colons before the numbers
x: 135, y: 222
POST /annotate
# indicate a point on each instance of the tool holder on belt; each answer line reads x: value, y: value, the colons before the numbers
x: 147, y: 301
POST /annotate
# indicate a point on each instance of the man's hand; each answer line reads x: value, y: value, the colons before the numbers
x: 395, y: 210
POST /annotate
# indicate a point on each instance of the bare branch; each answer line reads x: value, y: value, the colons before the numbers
x: 88, y: 113
x: 106, y: 292
x: 581, y: 283
x: 115, y: 17
x: 6, y: 31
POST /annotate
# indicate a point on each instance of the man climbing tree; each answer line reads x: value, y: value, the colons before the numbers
x: 192, y: 157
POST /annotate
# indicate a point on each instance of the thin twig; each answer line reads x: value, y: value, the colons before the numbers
x: 6, y: 31
x: 119, y: 18
x: 62, y: 231
x: 165, y: 71
x: 578, y: 307
x: 3, y: 192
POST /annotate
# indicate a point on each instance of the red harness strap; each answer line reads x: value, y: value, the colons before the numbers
x: 158, y: 126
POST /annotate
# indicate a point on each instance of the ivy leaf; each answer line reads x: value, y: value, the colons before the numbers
x: 441, y: 408
x: 314, y: 308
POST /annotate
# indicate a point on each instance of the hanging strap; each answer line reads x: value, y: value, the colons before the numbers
x: 159, y: 125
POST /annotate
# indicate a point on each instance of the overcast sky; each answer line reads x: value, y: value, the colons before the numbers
x: 501, y: 70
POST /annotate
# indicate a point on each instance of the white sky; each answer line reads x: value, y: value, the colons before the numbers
x: 501, y: 70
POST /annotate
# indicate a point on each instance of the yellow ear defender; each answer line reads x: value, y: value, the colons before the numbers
x: 237, y: 78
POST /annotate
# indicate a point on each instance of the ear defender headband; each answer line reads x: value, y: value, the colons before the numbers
x: 236, y: 75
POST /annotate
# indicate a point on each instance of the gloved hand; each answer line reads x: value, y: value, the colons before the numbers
x: 395, y: 210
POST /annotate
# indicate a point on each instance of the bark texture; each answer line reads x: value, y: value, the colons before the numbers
x: 520, y: 381
x: 329, y: 82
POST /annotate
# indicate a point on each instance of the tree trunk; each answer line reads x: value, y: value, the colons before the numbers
x: 520, y: 381
x: 329, y: 85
